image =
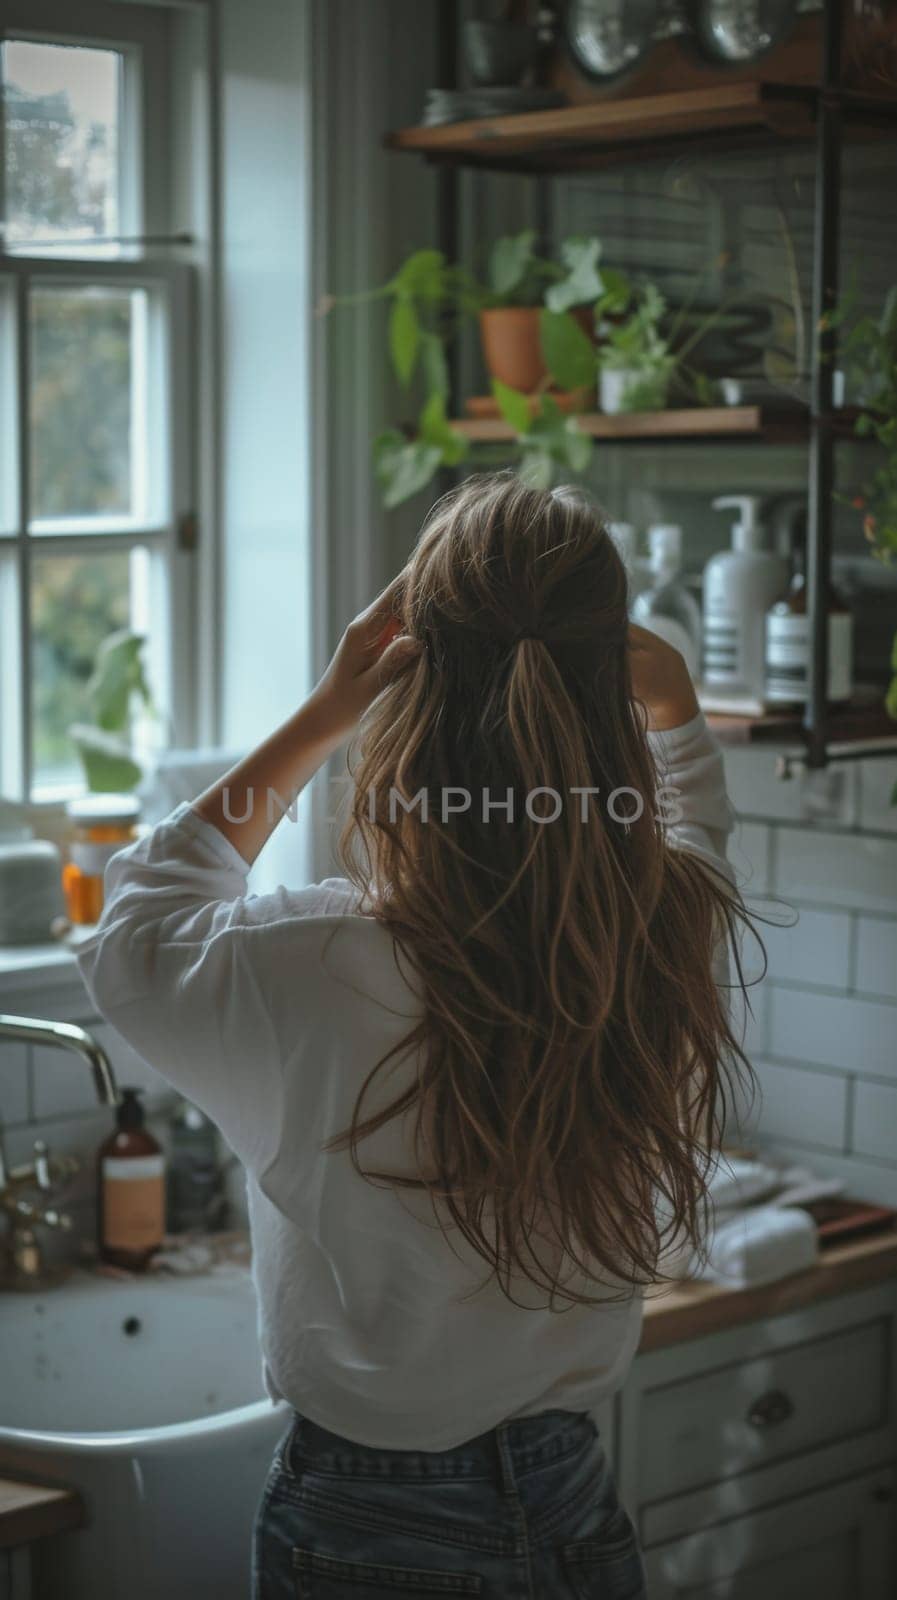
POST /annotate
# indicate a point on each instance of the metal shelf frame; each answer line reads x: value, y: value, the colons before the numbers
x: 832, y: 104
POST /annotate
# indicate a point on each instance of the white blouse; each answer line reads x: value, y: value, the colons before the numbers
x: 268, y: 1012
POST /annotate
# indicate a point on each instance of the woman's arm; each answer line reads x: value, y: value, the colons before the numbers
x: 371, y: 650
x: 661, y: 681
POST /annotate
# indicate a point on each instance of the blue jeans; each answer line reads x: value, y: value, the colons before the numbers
x: 526, y: 1511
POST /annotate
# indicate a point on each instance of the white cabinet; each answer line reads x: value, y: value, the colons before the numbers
x: 759, y: 1463
x: 834, y: 1544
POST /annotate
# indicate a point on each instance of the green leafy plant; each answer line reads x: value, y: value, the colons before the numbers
x: 640, y: 337
x: 516, y: 276
x: 430, y: 300
x: 103, y: 746
x: 869, y: 353
x: 548, y: 440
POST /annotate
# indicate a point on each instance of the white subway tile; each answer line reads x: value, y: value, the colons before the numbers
x: 799, y: 1104
x: 845, y: 1032
x: 829, y: 797
x: 851, y: 870
x: 749, y: 1016
x: 876, y: 956
x: 815, y: 950
x: 873, y: 1181
x: 750, y: 855
x: 129, y: 1067
x: 63, y: 1081
x: 875, y: 1120
x: 877, y: 780
x: 13, y: 1082
x: 754, y: 789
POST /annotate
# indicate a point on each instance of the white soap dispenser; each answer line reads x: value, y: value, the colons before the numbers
x: 740, y: 585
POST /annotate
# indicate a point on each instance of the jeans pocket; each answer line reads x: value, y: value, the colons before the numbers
x: 322, y: 1577
x: 608, y: 1566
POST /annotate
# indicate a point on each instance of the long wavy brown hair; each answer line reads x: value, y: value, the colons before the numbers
x: 575, y: 1054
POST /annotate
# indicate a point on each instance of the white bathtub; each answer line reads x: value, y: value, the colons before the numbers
x: 147, y: 1397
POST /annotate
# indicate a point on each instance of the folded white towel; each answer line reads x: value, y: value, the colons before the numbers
x: 737, y: 1182
x: 760, y: 1245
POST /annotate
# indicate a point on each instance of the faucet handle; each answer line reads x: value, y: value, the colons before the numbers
x: 24, y: 1211
x: 43, y: 1172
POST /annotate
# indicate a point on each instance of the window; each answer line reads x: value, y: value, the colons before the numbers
x: 95, y: 422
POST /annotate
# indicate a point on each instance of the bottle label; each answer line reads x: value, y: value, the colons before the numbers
x: 722, y: 648
x: 133, y: 1202
x: 788, y: 655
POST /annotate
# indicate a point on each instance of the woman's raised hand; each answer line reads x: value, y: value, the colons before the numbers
x: 371, y: 651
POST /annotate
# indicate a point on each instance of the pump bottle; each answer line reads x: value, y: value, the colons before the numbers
x: 667, y: 608
x: 130, y: 1189
x: 740, y: 585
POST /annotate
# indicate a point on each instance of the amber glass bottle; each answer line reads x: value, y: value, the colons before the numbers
x: 130, y: 1189
x: 101, y: 825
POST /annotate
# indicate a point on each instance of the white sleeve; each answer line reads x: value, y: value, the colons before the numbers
x: 208, y: 984
x: 692, y: 791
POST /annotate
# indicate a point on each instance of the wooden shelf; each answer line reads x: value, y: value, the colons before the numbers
x: 542, y: 140
x: 854, y: 724
x: 697, y: 422
x: 594, y: 132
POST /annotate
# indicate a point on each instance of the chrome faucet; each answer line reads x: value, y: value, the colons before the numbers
x: 23, y: 1266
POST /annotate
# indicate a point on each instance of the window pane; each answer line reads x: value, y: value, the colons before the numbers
x: 9, y: 440
x: 75, y: 602
x: 62, y: 132
x: 88, y: 399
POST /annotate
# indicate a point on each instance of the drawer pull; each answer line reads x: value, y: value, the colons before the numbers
x: 771, y: 1409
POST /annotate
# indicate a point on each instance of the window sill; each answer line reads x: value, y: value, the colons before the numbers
x: 34, y: 966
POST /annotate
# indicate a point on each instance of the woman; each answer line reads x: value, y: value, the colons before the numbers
x: 476, y: 1083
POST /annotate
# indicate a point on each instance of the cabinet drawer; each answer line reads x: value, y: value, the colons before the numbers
x: 836, y: 1544
x: 747, y: 1414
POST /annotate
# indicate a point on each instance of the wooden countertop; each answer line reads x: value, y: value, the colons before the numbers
x: 32, y: 1510
x: 690, y: 1310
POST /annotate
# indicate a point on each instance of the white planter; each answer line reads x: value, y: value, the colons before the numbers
x: 617, y: 384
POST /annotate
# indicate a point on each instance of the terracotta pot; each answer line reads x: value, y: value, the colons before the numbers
x: 512, y: 349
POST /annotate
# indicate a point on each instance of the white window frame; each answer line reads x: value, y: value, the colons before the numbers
x: 166, y: 532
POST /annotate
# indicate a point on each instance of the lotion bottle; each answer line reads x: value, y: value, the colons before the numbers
x: 740, y: 585
x: 130, y: 1189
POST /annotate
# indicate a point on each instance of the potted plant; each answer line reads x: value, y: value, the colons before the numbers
x: 519, y: 286
x: 635, y: 361
x: 642, y: 351
x: 430, y: 299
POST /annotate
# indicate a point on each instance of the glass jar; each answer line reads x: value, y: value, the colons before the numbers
x: 101, y: 825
